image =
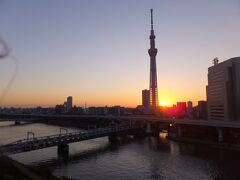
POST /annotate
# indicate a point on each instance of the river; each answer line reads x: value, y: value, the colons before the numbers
x: 132, y: 158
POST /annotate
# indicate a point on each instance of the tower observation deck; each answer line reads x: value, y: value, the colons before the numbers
x: 153, y: 69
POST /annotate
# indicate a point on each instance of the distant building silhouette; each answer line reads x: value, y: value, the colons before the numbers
x: 145, y: 98
x: 114, y: 110
x: 69, y: 103
x: 60, y: 109
x: 190, y: 109
x: 181, y: 110
x: 76, y: 110
x: 66, y: 107
x: 153, y: 69
x: 202, y: 110
x: 145, y: 108
x: 97, y: 110
x: 223, y: 90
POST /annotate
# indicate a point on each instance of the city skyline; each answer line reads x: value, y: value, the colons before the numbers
x: 98, y: 54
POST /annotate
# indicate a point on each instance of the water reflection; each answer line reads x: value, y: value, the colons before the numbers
x: 130, y: 158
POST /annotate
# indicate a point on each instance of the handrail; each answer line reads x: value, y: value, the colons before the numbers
x: 74, y: 135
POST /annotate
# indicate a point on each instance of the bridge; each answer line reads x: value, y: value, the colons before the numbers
x: 63, y: 139
x: 209, y: 130
x: 151, y: 119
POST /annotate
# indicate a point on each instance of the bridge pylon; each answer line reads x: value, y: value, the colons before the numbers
x: 113, y: 138
x: 152, y: 129
x: 63, y: 150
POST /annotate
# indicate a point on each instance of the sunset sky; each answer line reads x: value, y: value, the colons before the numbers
x: 96, y: 51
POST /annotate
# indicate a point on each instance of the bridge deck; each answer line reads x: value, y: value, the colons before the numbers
x: 216, y: 123
x: 30, y: 144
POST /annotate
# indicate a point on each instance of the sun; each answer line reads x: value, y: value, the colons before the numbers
x: 163, y: 102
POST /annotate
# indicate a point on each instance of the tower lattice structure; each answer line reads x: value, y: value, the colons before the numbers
x: 153, y: 69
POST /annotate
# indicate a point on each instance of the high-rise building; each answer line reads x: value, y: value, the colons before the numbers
x: 153, y: 69
x: 189, y: 105
x: 190, y: 109
x: 181, y: 110
x: 223, y: 90
x: 69, y: 103
x: 145, y: 98
x: 202, y: 110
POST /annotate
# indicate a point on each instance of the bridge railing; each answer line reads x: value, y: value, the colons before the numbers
x: 61, y: 136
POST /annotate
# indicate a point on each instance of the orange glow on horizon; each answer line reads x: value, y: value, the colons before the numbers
x: 49, y: 97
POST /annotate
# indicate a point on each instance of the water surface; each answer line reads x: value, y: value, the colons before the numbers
x: 132, y: 158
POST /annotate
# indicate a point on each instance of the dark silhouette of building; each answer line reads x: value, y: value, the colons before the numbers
x: 190, y: 109
x: 114, y: 110
x: 202, y: 110
x: 223, y: 90
x: 69, y: 103
x: 66, y: 107
x: 145, y: 98
x: 153, y: 69
x: 76, y: 110
x: 97, y: 110
x: 181, y: 110
x: 60, y: 109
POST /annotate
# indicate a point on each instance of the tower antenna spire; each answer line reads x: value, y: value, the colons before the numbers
x: 151, y: 19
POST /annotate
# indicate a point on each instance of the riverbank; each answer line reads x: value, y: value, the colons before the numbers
x: 219, y: 145
x: 11, y: 169
x: 76, y: 121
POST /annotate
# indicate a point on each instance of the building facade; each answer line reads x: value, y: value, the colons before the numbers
x: 190, y: 109
x: 202, y: 110
x: 181, y: 110
x: 223, y: 90
x: 145, y: 98
x: 69, y: 103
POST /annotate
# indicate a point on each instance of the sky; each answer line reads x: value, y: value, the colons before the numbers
x: 97, y: 51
